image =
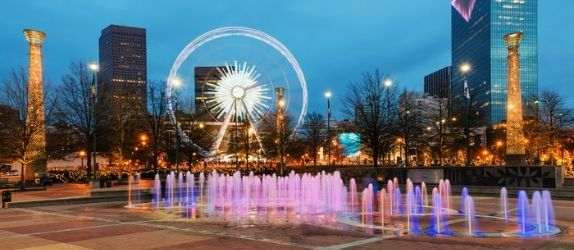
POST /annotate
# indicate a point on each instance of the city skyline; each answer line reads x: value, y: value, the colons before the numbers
x: 478, y: 42
x: 318, y: 27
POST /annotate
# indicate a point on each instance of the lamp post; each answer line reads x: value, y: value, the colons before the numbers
x: 281, y: 131
x: 250, y: 131
x: 400, y: 142
x: 498, y: 146
x: 94, y: 68
x: 82, y: 154
x: 388, y: 83
x: 328, y: 96
x: 464, y: 69
x: 176, y: 84
x: 143, y: 139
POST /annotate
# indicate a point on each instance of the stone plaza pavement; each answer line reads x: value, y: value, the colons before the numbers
x: 111, y: 226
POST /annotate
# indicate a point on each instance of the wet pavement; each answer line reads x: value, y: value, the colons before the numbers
x: 111, y: 226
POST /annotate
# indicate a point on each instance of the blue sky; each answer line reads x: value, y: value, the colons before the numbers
x: 334, y: 41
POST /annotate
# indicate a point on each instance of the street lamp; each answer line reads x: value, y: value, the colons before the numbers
x: 82, y: 154
x: 465, y: 67
x: 498, y: 146
x: 144, y: 139
x: 250, y: 131
x: 176, y: 84
x: 388, y: 83
x: 94, y: 67
x: 328, y: 96
x: 400, y: 141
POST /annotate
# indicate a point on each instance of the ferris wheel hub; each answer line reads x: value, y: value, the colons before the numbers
x: 238, y: 92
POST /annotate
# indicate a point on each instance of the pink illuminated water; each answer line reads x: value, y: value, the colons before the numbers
x: 470, y: 214
x: 324, y: 199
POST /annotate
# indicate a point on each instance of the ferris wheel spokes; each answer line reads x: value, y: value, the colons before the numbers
x: 221, y: 133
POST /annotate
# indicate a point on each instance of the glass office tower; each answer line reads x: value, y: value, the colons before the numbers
x: 478, y: 28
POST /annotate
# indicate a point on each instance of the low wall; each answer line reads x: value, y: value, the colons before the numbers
x: 502, y: 176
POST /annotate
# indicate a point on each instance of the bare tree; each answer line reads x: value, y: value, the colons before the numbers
x: 372, y: 103
x: 553, y: 115
x: 313, y: 134
x: 77, y: 105
x: 157, y: 108
x: 411, y: 122
x: 121, y: 125
x: 438, y: 127
x: 26, y: 123
x: 278, y: 137
x: 201, y: 138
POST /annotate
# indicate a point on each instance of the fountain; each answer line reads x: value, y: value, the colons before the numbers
x: 463, y: 195
x: 424, y: 194
x: 437, y: 220
x: 537, y: 210
x: 504, y: 203
x: 353, y: 194
x: 548, y: 210
x: 324, y: 199
x: 522, y: 212
x: 470, y: 215
x: 382, y: 209
x: 391, y: 191
x: 130, y: 187
x: 397, y: 200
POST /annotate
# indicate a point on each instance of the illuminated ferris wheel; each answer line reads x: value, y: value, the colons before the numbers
x: 231, y: 74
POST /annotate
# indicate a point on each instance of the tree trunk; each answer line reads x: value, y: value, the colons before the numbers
x: 23, y: 174
x: 375, y: 157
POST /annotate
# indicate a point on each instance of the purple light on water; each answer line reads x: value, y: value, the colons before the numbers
x: 419, y: 201
x: 391, y: 193
x: 446, y: 194
x: 382, y: 209
x: 463, y: 196
x: 398, y: 201
x: 424, y: 194
x: 470, y: 215
x: 353, y: 194
x: 522, y: 212
x: 537, y: 210
x: 180, y: 188
x: 437, y: 223
x: 548, y: 210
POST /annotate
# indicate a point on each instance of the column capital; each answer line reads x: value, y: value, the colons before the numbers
x: 512, y: 40
x: 34, y: 36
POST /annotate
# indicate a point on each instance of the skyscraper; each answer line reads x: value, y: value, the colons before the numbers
x: 437, y: 84
x: 478, y: 29
x: 123, y: 67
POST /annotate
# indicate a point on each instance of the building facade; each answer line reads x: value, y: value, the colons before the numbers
x: 204, y: 76
x: 438, y: 83
x: 123, y: 67
x: 478, y: 28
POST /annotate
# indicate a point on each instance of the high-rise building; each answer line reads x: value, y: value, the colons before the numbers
x: 203, y: 77
x: 478, y: 30
x: 437, y: 84
x: 123, y: 67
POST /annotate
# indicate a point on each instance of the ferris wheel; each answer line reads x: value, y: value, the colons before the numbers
x: 231, y: 74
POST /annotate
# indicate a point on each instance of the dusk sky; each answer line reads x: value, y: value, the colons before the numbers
x: 334, y: 41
